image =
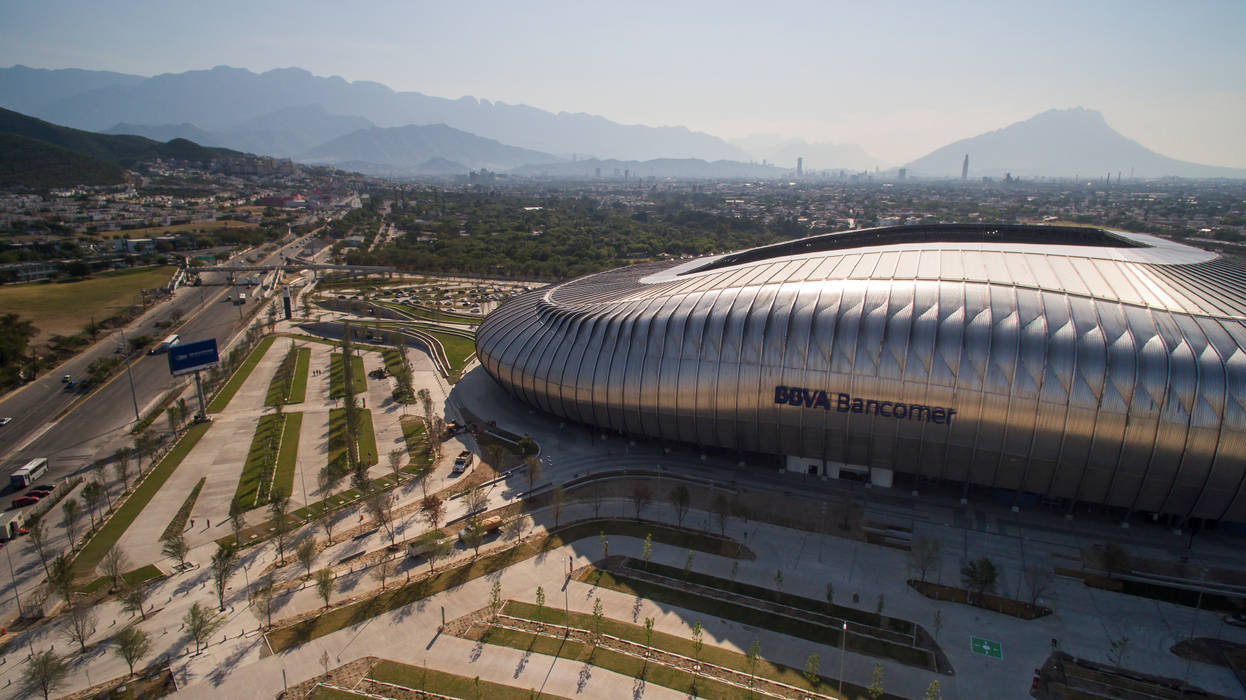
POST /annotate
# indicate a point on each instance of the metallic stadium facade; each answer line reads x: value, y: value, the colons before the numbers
x: 1072, y: 363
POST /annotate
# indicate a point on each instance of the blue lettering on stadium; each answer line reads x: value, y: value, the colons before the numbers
x: 846, y: 403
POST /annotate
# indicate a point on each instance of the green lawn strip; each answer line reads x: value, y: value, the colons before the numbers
x: 393, y: 360
x: 666, y: 642
x: 336, y: 388
x: 337, y: 438
x: 178, y: 523
x: 748, y: 615
x: 288, y: 456
x: 301, y: 632
x: 257, y: 471
x: 298, y: 392
x: 222, y: 399
x: 430, y: 679
x: 103, y: 540
x: 659, y: 674
x: 434, y: 316
x: 358, y: 375
x: 861, y: 617
x: 140, y: 575
x: 261, y: 531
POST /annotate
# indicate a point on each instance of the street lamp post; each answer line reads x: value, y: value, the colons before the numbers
x: 843, y: 646
x: 1202, y: 578
x: 130, y: 376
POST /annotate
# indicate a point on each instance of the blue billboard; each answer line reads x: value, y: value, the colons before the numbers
x: 185, y: 358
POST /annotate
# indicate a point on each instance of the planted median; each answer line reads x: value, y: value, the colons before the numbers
x: 222, y: 399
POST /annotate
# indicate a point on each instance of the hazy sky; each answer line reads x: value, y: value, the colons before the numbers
x: 899, y: 78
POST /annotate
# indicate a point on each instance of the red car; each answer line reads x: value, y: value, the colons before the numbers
x: 44, y: 489
x: 25, y: 501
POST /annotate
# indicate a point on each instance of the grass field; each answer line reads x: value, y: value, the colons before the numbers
x: 93, y: 551
x: 141, y: 575
x: 235, y: 382
x: 300, y: 363
x: 288, y: 456
x: 417, y: 678
x: 458, y: 349
x: 337, y: 438
x: 257, y: 473
x: 178, y: 523
x: 64, y: 308
x: 337, y: 386
x: 417, y: 445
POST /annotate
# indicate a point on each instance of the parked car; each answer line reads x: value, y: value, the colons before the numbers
x: 461, y: 463
x: 44, y: 489
x: 22, y: 501
x: 6, y: 420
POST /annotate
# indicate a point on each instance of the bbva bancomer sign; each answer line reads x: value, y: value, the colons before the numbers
x: 846, y: 403
x: 1074, y: 363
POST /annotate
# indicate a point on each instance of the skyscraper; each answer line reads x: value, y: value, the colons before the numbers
x: 800, y: 167
x: 964, y: 169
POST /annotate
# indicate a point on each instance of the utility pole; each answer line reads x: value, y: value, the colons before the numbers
x: 130, y: 376
x: 13, y: 581
x: 842, y: 647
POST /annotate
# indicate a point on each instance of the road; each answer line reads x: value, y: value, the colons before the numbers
x: 72, y: 429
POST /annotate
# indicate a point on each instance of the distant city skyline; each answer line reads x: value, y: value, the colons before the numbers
x: 900, y: 79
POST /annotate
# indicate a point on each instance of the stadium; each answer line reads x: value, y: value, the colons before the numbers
x: 1064, y: 364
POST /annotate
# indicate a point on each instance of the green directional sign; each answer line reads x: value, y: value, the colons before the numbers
x: 986, y: 647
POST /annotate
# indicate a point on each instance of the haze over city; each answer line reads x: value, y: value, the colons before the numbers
x: 897, y: 79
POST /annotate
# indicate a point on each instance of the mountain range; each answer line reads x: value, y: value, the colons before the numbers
x: 369, y: 127
x: 1068, y: 143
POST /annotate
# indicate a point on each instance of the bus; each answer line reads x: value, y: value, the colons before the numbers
x: 166, y: 344
x: 28, y: 474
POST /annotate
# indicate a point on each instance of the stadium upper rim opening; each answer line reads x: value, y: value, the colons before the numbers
x: 1031, y: 234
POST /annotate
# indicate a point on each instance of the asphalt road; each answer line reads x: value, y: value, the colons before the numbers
x: 72, y: 429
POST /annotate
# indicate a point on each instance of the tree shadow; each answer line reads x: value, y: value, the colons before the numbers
x: 222, y: 670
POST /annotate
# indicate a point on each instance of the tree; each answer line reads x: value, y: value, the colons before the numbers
x: 237, y: 519
x: 145, y: 444
x: 92, y: 495
x: 425, y: 400
x: 778, y: 579
x: 474, y: 534
x: 722, y: 510
x: 646, y: 551
x: 476, y: 500
x: 876, y: 683
x: 381, y: 505
x: 598, y: 614
x: 434, y: 545
x: 1038, y: 578
x: 81, y: 623
x: 641, y: 497
x: 200, y: 623
x: 433, y: 508
x: 595, y: 495
x: 557, y: 500
x: 175, y: 547
x: 262, y: 593
x: 924, y: 556
x: 223, y: 563
x: 495, y: 599
x: 938, y: 623
x: 61, y: 577
x: 37, y: 535
x: 932, y: 691
x: 171, y: 415
x: 382, y: 571
x: 540, y: 603
x: 71, y: 510
x: 121, y: 465
x: 698, y: 641
x: 306, y: 553
x: 979, y: 575
x: 325, y: 584
x: 533, y: 464
x: 879, y: 610
x: 278, y: 502
x: 811, y: 669
x: 44, y: 674
x: 1116, y: 649
x: 830, y: 593
x: 516, y: 526
x: 648, y: 634
x: 605, y: 545
x: 680, y: 500
x: 754, y: 655
x: 395, y: 464
x: 131, y: 644
x: 133, y: 599
x: 114, y: 564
